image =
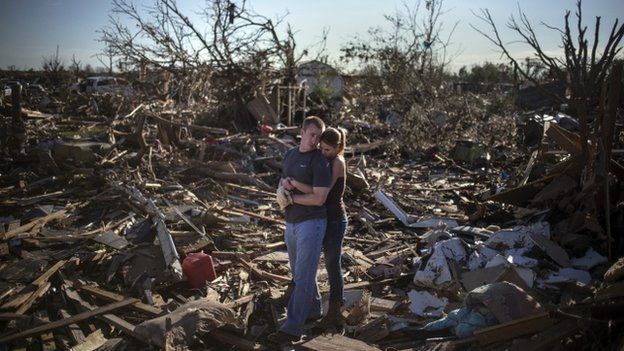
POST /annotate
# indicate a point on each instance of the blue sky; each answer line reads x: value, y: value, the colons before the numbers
x: 32, y: 29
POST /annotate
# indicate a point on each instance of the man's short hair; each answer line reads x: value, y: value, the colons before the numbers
x: 317, y: 121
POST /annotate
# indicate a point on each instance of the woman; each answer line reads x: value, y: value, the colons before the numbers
x: 332, y: 145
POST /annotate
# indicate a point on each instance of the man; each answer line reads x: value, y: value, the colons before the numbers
x: 306, y: 220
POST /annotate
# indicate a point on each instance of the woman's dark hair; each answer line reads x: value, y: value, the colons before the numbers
x: 335, y: 137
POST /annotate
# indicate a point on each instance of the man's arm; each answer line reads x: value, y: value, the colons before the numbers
x: 286, y: 184
x: 304, y: 188
x: 338, y: 170
x: 316, y: 198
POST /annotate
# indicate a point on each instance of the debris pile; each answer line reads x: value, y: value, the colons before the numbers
x: 128, y: 225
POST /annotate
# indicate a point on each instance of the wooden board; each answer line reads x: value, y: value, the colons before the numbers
x: 109, y: 296
x: 510, y: 330
x: 335, y: 342
x: 65, y: 322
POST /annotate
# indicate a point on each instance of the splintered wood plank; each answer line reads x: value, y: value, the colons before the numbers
x: 238, y: 212
x: 383, y: 305
x: 121, y: 324
x: 263, y: 274
x: 240, y: 301
x: 235, y: 340
x: 47, y: 338
x: 112, y: 319
x: 515, y: 328
x: 41, y: 290
x: 365, y: 284
x: 92, y: 342
x: 110, y: 296
x: 27, y: 295
x: 549, y: 339
x: 65, y: 322
x: 184, y: 218
x: 74, y: 330
x: 522, y: 194
x: 335, y: 342
x: 248, y: 189
x: 45, y: 276
x: 39, y: 222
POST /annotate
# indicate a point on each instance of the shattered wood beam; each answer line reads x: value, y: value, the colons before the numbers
x: 365, y: 284
x: 25, y: 296
x: 263, y: 274
x: 568, y: 141
x: 137, y: 109
x: 73, y: 329
x: 110, y: 296
x: 45, y: 276
x: 522, y: 194
x: 35, y: 199
x: 41, y: 290
x: 120, y: 323
x: 275, y: 245
x: 337, y: 342
x: 248, y: 189
x: 571, y: 143
x: 39, y: 222
x: 172, y: 259
x: 365, y: 241
x: 235, y: 340
x: 515, y: 328
x: 219, y: 131
x: 240, y: 301
x: 365, y: 147
x: 184, y: 218
x: 238, y: 212
x: 65, y: 322
x: 231, y: 177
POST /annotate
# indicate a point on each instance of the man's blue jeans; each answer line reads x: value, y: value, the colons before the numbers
x: 332, y: 249
x: 303, y: 242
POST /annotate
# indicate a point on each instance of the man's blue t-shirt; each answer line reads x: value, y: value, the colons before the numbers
x: 309, y: 168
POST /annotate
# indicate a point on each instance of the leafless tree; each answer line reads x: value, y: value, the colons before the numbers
x: 52, y: 63
x: 107, y: 58
x: 584, y: 66
x: 53, y: 67
x: 76, y: 66
x: 411, y: 55
x: 235, y: 42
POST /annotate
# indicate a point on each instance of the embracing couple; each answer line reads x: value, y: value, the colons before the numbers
x: 310, y: 193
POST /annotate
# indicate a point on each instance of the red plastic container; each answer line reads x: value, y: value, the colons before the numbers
x: 198, y: 268
x: 266, y: 129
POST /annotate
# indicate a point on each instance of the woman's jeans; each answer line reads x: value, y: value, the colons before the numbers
x: 332, y: 248
x: 303, y: 242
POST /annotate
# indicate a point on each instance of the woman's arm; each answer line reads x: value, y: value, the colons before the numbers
x: 304, y: 188
x: 338, y: 170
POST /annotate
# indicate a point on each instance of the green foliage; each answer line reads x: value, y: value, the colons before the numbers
x: 323, y: 93
x: 488, y: 73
